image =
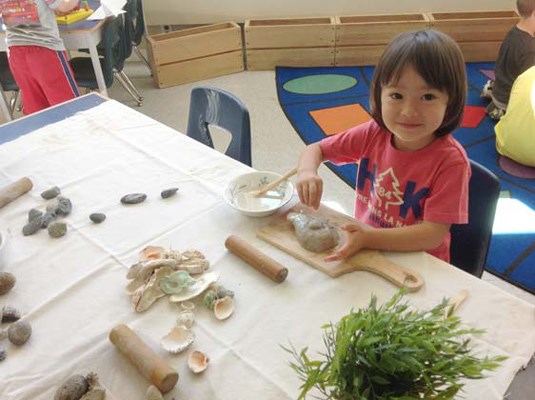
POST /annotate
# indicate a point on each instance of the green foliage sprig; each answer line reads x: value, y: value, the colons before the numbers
x: 392, y: 353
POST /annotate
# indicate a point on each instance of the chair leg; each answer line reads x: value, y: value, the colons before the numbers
x: 142, y: 56
x: 131, y: 84
x: 138, y: 99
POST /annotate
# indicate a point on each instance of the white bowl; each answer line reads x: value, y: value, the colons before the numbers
x: 238, y: 193
x: 3, y: 239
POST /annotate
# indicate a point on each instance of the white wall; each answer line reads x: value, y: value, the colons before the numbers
x: 159, y: 12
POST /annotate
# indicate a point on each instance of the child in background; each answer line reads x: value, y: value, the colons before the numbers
x: 36, y: 53
x: 413, y: 175
x: 516, y: 55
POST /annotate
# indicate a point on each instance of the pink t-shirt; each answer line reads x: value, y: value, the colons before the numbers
x: 396, y: 188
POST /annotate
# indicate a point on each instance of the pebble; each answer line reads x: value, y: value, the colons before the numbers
x: 7, y: 281
x: 51, y: 193
x: 3, y: 354
x: 10, y: 314
x: 168, y: 193
x: 34, y: 213
x: 133, y: 198
x: 33, y: 226
x: 57, y: 229
x: 97, y: 218
x: 72, y: 389
x: 47, y: 219
x: 64, y: 206
x: 19, y: 332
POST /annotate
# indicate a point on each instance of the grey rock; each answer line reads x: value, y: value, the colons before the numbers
x: 7, y: 281
x: 31, y: 227
x: 72, y: 389
x: 97, y: 218
x: 10, y: 314
x: 64, y: 206
x: 47, y: 219
x: 3, y: 354
x: 168, y: 193
x: 133, y: 198
x: 51, y: 193
x: 34, y: 213
x: 19, y: 332
x: 57, y: 229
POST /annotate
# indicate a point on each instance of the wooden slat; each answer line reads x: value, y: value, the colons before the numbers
x: 358, y: 55
x: 268, y: 59
x: 480, y: 51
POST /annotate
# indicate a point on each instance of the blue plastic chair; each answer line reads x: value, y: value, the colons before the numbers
x: 212, y: 106
x: 470, y: 242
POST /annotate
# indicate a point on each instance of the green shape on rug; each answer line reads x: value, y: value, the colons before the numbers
x: 320, y: 84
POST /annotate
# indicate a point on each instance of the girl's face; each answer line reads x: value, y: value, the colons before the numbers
x: 412, y: 110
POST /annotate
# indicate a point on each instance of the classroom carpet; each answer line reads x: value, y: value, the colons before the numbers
x: 323, y: 101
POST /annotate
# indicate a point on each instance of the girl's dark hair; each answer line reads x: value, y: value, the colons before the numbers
x: 437, y: 59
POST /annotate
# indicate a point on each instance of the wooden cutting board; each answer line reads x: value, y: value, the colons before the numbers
x: 281, y: 234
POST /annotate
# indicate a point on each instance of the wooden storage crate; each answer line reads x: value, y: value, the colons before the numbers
x: 195, y: 54
x: 478, y: 33
x: 361, y: 39
x: 292, y: 42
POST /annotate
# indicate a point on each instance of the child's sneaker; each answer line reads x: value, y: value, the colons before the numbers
x: 494, y: 112
x: 487, y: 90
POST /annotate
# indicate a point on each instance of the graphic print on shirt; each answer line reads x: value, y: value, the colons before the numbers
x: 19, y: 12
x: 387, y: 203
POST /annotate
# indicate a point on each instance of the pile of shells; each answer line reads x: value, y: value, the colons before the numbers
x: 79, y: 387
x: 37, y: 219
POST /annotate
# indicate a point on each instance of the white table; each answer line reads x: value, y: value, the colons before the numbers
x: 71, y: 289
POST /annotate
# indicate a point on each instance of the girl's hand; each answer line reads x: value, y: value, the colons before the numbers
x: 355, y: 241
x: 310, y: 188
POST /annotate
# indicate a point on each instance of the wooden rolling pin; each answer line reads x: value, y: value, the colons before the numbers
x: 257, y: 259
x: 151, y: 366
x: 14, y: 190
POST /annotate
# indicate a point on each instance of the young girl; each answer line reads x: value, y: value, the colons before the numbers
x: 413, y: 175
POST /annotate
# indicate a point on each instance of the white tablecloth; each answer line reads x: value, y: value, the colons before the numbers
x: 71, y: 289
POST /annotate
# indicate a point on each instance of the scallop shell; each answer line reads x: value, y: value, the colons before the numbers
x: 223, y: 308
x: 178, y: 340
x: 198, y: 361
x: 146, y: 295
x: 186, y: 318
x: 153, y: 393
x: 151, y: 252
x: 200, y: 285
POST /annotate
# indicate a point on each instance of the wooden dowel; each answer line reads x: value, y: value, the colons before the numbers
x: 256, y: 258
x: 14, y: 190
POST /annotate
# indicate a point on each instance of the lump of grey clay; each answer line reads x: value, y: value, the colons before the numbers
x: 19, y: 332
x: 34, y: 213
x: 72, y: 389
x: 97, y: 218
x: 10, y: 314
x: 51, y: 193
x: 47, y: 218
x: 33, y: 226
x: 133, y: 198
x: 168, y: 193
x: 57, y: 229
x: 7, y: 281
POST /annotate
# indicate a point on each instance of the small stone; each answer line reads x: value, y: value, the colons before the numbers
x: 97, y: 218
x: 31, y: 227
x: 7, y: 281
x: 57, y: 229
x: 47, y: 219
x: 72, y: 389
x: 133, y: 198
x: 51, y: 193
x: 64, y: 206
x: 3, y: 354
x: 10, y: 314
x: 34, y: 213
x: 19, y: 332
x: 168, y: 193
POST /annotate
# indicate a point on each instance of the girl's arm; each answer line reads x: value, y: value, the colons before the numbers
x: 424, y: 236
x: 309, y: 183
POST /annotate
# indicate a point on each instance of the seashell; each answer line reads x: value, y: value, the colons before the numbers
x: 223, y: 308
x: 314, y: 234
x: 214, y: 293
x: 151, y: 252
x: 72, y: 389
x: 3, y: 354
x: 178, y: 340
x: 173, y: 254
x: 10, y: 314
x: 94, y: 394
x: 19, y: 332
x: 7, y: 281
x: 92, y: 380
x: 193, y: 266
x: 51, y: 193
x: 34, y: 213
x: 149, y: 266
x: 200, y: 285
x: 97, y: 218
x: 186, y: 318
x: 33, y: 226
x: 47, y: 218
x: 153, y: 393
x: 168, y: 193
x: 57, y: 229
x: 198, y: 361
x: 176, y: 282
x: 63, y: 206
x: 191, y: 253
x: 145, y: 270
x: 133, y: 198
x: 187, y: 305
x: 146, y: 295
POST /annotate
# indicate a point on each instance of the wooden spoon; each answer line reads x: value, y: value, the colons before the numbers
x: 274, y: 184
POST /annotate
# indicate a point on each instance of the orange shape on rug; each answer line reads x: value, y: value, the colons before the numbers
x: 334, y: 120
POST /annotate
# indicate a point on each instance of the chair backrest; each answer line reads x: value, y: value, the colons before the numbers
x: 6, y: 77
x: 212, y: 106
x: 139, y: 28
x: 130, y: 17
x: 470, y: 242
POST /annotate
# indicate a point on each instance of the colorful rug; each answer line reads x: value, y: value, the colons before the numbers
x: 325, y: 101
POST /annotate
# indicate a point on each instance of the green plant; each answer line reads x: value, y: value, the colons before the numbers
x: 392, y: 353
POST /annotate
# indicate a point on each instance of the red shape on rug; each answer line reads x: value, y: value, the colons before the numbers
x: 489, y: 73
x: 516, y: 169
x: 473, y: 115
